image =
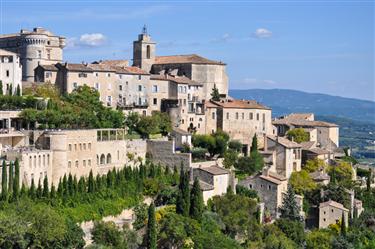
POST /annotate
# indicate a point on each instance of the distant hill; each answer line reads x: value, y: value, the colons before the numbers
x: 286, y: 101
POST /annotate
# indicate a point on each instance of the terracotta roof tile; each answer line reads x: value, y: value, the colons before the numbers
x: 185, y: 59
x: 176, y: 79
x: 284, y: 142
x: 113, y: 63
x: 240, y: 104
x: 130, y: 70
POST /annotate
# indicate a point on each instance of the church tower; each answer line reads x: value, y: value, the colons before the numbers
x: 144, y: 51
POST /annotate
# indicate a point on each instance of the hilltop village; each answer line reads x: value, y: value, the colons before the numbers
x: 171, y: 111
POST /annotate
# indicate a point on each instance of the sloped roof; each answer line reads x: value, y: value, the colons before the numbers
x: 318, y: 151
x: 215, y: 170
x: 299, y: 116
x: 204, y: 186
x: 113, y: 63
x: 307, y: 145
x: 240, y: 104
x: 49, y: 67
x: 284, y: 142
x: 176, y: 79
x: 185, y: 59
x: 302, y: 122
x: 79, y: 67
x: 101, y: 68
x: 130, y: 70
x: 333, y: 204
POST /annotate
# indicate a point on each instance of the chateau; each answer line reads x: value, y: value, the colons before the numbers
x: 179, y: 85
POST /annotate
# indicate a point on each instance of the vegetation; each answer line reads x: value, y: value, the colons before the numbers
x: 215, y: 95
x: 151, y: 228
x: 290, y: 209
x: 298, y: 135
x: 157, y: 123
x: 215, y: 144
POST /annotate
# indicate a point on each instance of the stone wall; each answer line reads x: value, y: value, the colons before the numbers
x: 163, y: 152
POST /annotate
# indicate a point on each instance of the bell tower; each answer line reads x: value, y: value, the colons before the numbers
x: 144, y: 51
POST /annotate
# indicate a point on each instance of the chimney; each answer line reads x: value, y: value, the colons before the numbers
x: 265, y: 147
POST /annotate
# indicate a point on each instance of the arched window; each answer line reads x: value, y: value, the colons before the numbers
x: 97, y: 159
x: 148, y: 52
x: 102, y: 159
x: 109, y: 158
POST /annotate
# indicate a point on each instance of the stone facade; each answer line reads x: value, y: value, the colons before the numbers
x: 10, y: 71
x: 38, y: 46
x: 163, y: 152
x: 331, y: 212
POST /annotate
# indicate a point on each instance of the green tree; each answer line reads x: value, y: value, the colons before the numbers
x: 290, y: 209
x: 235, y: 145
x: 302, y: 182
x: 215, y: 95
x: 32, y: 191
x: 45, y: 187
x: 254, y: 144
x: 140, y: 212
x: 314, y: 165
x: 16, y: 182
x: 39, y: 190
x: 343, y: 225
x: 4, y: 182
x: 183, y: 197
x: 341, y: 173
x: 131, y: 121
x: 298, y: 135
x: 18, y: 90
x: 151, y: 228
x: 91, y: 184
x: 294, y: 230
x: 106, y: 233
x: 1, y: 88
x: 10, y: 177
x: 196, y: 201
x: 319, y: 239
x: 230, y: 158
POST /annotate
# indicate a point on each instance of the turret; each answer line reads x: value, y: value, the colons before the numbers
x: 144, y: 51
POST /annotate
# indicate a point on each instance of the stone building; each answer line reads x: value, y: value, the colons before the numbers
x: 38, y: 46
x: 326, y: 135
x: 55, y: 153
x: 330, y: 212
x: 241, y: 119
x: 10, y: 71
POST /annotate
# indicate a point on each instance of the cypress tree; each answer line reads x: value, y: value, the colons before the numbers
x: 32, y: 189
x: 167, y: 171
x: 151, y: 228
x: 10, y: 90
x: 99, y: 181
x: 180, y: 200
x: 23, y: 190
x: 183, y: 198
x: 39, y: 191
x: 91, y: 187
x: 18, y: 90
x: 75, y: 185
x: 81, y: 185
x: 290, y: 209
x: 343, y: 225
x: 4, y: 182
x: 10, y: 177
x: 70, y: 185
x: 16, y: 181
x: 1, y: 88
x: 45, y: 187
x: 60, y: 188
x: 196, y: 201
x: 65, y: 187
x: 254, y: 144
x: 53, y: 192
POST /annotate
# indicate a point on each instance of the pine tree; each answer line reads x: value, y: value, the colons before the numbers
x: 254, y: 144
x: 151, y: 228
x: 18, y: 90
x: 196, y: 201
x: 290, y: 209
x: 215, y: 95
x: 45, y: 188
x: 343, y: 225
x: 16, y: 182
x: 91, y: 187
x: 10, y: 177
x: 39, y: 190
x: 4, y: 182
x: 32, y: 189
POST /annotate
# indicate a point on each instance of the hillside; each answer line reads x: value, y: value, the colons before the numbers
x: 286, y: 101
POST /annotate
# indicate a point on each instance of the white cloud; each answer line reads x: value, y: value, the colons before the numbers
x: 262, y: 33
x: 87, y: 40
x: 271, y: 82
x: 249, y: 80
x: 92, y: 40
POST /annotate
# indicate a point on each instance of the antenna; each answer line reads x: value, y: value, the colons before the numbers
x: 144, y: 30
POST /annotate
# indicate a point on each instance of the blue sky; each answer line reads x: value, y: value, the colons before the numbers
x: 314, y: 46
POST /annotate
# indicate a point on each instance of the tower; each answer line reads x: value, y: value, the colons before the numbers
x: 144, y: 51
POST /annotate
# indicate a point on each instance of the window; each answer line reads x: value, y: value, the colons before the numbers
x: 109, y: 100
x: 213, y: 115
x: 75, y: 85
x: 89, y: 162
x: 199, y: 125
x: 70, y: 147
x: 97, y: 74
x: 120, y: 87
x: 69, y: 164
x: 324, y: 219
x: 76, y: 163
x: 236, y: 115
x: 80, y: 146
x: 258, y: 116
x: 97, y: 86
x: 75, y: 146
x: 148, y: 52
x: 185, y: 89
x: 139, y: 88
x: 109, y: 158
x: 84, y: 163
x: 82, y: 75
x: 243, y: 115
x: 7, y: 73
x: 269, y: 187
x: 154, y: 88
x: 144, y: 113
x: 185, y: 102
x: 39, y: 54
x: 48, y: 74
x: 84, y: 146
x: 251, y: 116
x: 108, y: 75
x: 120, y: 76
x: 227, y: 115
x: 89, y: 146
x: 155, y: 101
x: 139, y: 77
x: 48, y: 54
x: 250, y: 186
